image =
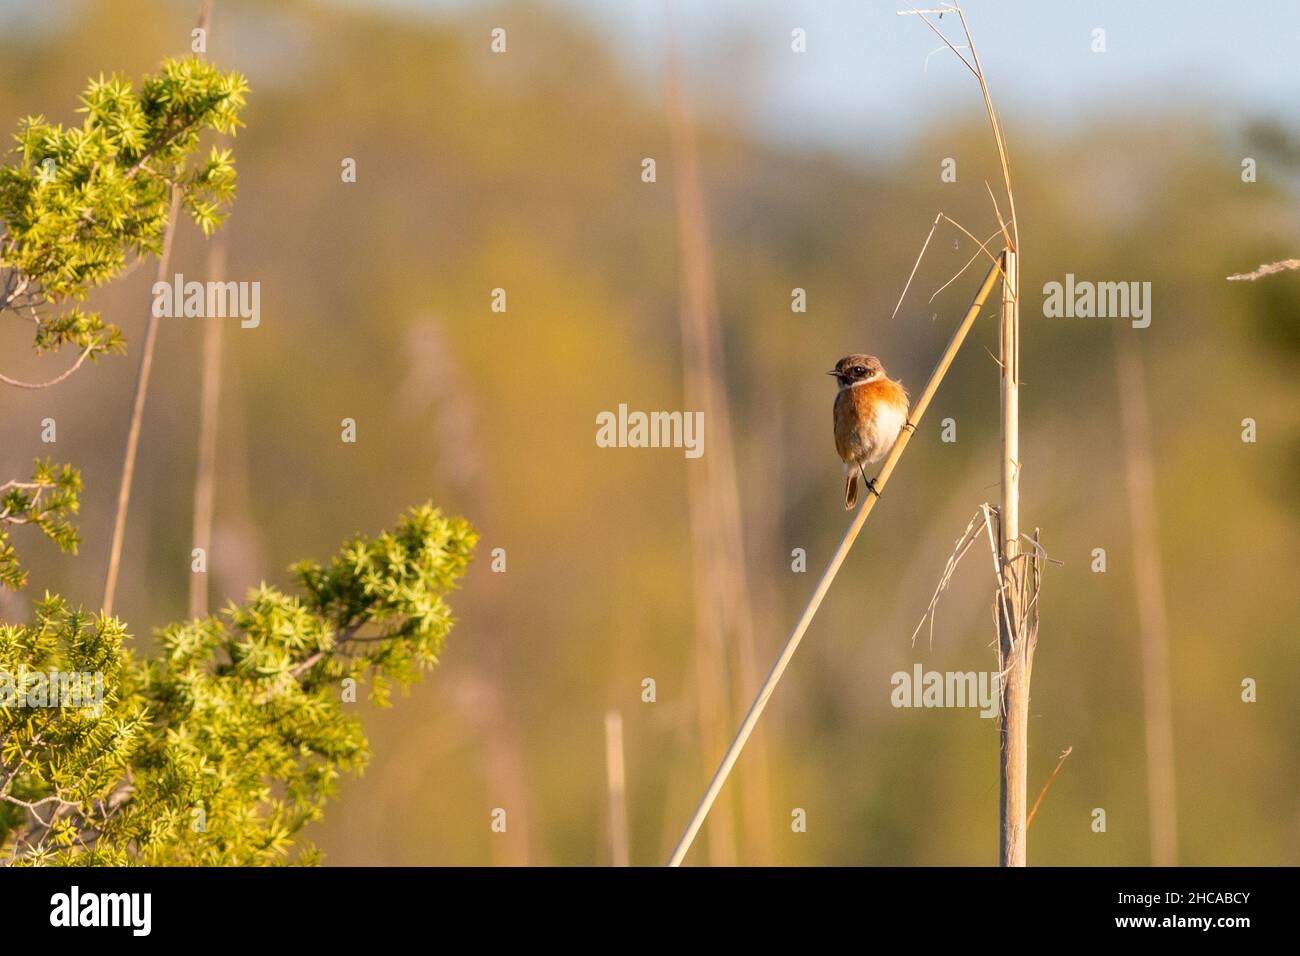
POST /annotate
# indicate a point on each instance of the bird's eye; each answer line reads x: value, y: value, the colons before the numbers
x: 859, y: 370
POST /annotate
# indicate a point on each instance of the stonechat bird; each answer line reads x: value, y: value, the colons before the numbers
x: 870, y: 411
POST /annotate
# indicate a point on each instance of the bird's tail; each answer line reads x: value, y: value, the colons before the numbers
x: 851, y: 491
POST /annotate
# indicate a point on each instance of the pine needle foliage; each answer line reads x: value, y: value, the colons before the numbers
x: 78, y: 200
x: 75, y: 202
x: 220, y: 750
x: 47, y: 502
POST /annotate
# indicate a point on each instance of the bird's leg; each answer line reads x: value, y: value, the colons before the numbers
x: 869, y: 482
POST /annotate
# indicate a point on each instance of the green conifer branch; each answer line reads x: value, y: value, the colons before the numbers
x: 75, y: 202
x: 220, y: 750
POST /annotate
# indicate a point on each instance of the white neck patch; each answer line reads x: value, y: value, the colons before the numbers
x: 865, y: 381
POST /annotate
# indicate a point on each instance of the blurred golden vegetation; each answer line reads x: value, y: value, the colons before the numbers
x: 523, y: 172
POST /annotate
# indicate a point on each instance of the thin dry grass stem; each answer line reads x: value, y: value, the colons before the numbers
x: 864, y: 511
x: 925, y: 67
x: 209, y: 398
x: 985, y: 520
x: 947, y: 8
x: 983, y: 247
x: 137, y: 418
x: 1002, y: 223
x: 964, y: 543
x: 616, y: 789
x: 723, y: 607
x: 141, y: 391
x: 973, y: 64
x: 1029, y: 820
x: 1152, y: 607
x: 916, y: 265
x: 1268, y: 269
x: 205, y: 471
x: 1003, y: 154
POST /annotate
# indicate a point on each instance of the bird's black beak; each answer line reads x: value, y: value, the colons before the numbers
x: 833, y: 372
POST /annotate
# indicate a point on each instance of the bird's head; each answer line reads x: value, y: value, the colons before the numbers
x: 856, y: 368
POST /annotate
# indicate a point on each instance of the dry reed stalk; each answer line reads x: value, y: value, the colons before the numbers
x: 238, y: 560
x: 759, y: 703
x: 615, y: 786
x: 1013, y: 636
x: 724, y: 617
x: 137, y: 418
x: 1029, y: 820
x: 1268, y: 269
x: 209, y: 398
x: 141, y: 391
x: 1153, y: 616
x: 205, y: 472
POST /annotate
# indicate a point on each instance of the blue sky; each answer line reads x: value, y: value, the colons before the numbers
x: 867, y: 81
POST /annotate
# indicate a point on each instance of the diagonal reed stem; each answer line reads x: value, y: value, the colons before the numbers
x: 137, y: 417
x: 141, y: 391
x: 823, y: 585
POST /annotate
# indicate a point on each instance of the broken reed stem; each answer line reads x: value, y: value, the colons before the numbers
x: 616, y: 788
x: 1153, y: 615
x: 137, y: 417
x: 205, y: 473
x: 823, y: 585
x: 1029, y: 820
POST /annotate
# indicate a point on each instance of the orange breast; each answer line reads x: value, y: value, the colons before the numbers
x: 858, y: 413
x: 884, y: 391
